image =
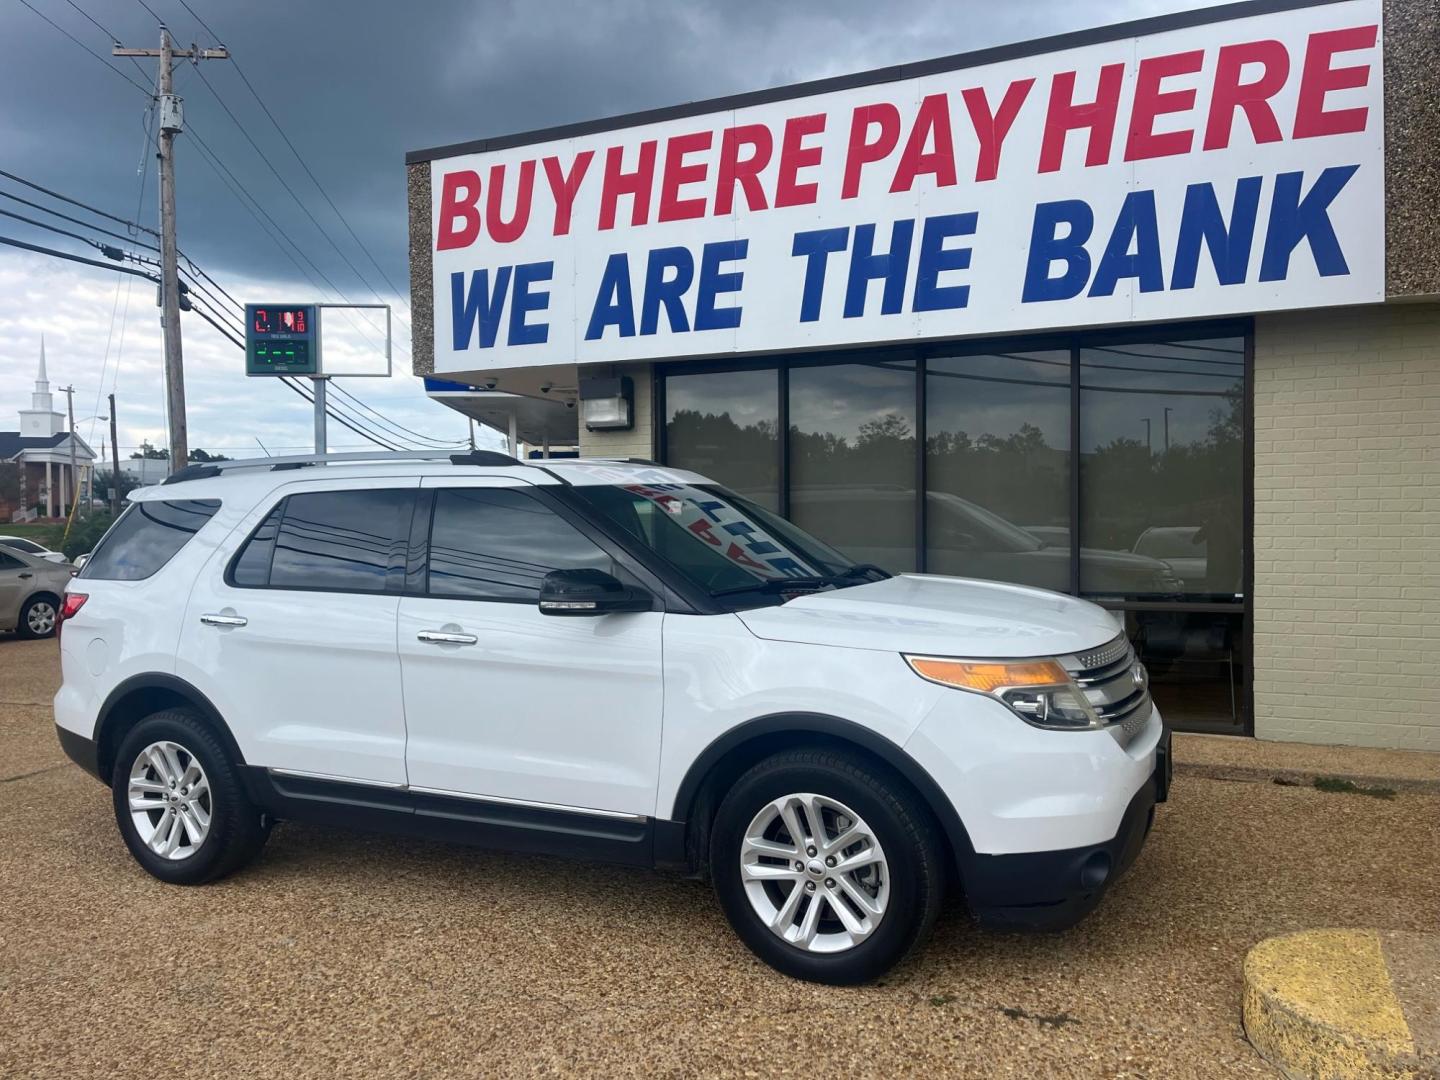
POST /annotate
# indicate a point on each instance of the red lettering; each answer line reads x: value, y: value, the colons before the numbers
x: 459, y: 197
x: 932, y: 119
x: 737, y: 553
x: 677, y: 174
x: 746, y: 172
x: 636, y: 184
x: 1318, y: 78
x: 502, y: 231
x: 991, y: 128
x: 701, y: 528
x: 794, y: 156
x: 1253, y: 97
x: 1064, y: 116
x: 565, y: 186
x: 1152, y: 102
x: 862, y: 149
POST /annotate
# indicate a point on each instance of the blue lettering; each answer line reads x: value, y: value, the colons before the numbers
x: 866, y: 266
x: 614, y: 302
x: 935, y: 259
x: 525, y: 301
x: 1293, y: 219
x: 480, y: 305
x: 668, y: 291
x: 713, y: 282
x: 1136, y: 225
x: 1046, y: 248
x: 1202, y: 223
x: 816, y: 246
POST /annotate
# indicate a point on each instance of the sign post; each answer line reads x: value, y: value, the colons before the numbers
x: 285, y: 339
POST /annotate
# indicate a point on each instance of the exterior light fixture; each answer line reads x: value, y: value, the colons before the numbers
x: 608, y: 404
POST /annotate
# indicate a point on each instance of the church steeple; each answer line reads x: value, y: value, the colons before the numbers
x: 41, y: 419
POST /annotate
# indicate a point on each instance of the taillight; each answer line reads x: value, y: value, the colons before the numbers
x: 72, y: 603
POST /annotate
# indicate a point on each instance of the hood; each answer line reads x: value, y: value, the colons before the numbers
x: 941, y: 616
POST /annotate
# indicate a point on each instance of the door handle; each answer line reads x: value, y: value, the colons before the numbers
x: 25, y: 574
x: 440, y: 637
x: 224, y: 620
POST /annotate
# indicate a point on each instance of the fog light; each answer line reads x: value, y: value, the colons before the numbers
x: 1094, y: 870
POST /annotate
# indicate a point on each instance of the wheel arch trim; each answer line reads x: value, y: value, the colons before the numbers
x: 803, y: 723
x: 171, y: 684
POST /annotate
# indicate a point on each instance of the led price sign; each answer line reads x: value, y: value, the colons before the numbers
x: 281, y: 339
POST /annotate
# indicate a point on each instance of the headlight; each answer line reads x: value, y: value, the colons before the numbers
x: 1040, y: 692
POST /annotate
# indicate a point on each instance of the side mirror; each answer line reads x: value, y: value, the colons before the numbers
x: 589, y: 592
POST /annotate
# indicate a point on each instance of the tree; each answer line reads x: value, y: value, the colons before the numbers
x: 151, y: 453
x: 104, y: 478
x: 200, y: 455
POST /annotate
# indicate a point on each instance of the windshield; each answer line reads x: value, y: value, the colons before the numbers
x: 15, y: 543
x: 720, y: 541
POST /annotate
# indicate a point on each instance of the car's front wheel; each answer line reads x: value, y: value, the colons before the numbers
x: 827, y: 865
x: 179, y: 801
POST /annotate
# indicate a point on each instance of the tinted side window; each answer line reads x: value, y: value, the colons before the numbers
x: 9, y: 562
x: 146, y: 537
x: 252, y: 568
x: 342, y: 541
x: 497, y: 544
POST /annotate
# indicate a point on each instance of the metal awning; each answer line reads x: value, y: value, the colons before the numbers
x: 538, y: 421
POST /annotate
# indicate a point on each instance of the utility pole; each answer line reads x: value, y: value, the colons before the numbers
x: 74, y: 492
x: 114, y: 463
x: 172, y: 122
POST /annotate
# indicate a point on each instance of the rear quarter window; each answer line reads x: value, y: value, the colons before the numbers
x: 146, y: 537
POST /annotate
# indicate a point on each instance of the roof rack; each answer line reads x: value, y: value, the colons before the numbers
x: 202, y: 470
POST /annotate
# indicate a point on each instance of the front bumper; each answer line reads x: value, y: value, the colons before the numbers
x: 1051, y: 890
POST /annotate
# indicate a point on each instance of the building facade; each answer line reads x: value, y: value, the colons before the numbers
x: 43, y: 474
x: 1148, y: 314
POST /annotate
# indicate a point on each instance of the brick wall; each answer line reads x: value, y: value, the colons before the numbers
x: 1347, y: 526
x: 635, y: 443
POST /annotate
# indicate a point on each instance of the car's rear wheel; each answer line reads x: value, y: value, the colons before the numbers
x: 826, y: 865
x: 179, y: 802
x: 37, y: 619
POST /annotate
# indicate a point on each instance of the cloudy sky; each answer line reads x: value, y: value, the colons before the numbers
x: 353, y: 93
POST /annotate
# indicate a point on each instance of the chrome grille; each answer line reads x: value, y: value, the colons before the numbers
x: 1116, y: 686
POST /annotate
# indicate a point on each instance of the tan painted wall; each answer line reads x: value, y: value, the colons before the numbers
x: 1347, y: 526
x: 636, y: 443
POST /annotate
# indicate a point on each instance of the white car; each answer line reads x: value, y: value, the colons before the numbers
x: 29, y: 547
x: 611, y: 660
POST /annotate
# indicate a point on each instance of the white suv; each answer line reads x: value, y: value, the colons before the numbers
x: 610, y: 660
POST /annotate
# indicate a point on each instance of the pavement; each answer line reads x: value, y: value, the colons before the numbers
x: 346, y: 955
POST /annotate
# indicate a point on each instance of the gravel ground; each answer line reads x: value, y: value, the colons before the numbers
x: 347, y: 955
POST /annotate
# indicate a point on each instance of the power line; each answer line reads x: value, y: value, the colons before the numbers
x: 87, y: 48
x: 77, y: 221
x: 12, y: 242
x: 288, y: 189
x: 75, y: 202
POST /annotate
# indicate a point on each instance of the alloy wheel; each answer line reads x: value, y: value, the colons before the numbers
x: 170, y: 801
x: 814, y: 873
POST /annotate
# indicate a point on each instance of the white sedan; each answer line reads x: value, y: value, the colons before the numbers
x: 29, y: 547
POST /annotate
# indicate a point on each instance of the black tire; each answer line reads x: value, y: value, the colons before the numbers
x: 23, y: 626
x: 900, y: 822
x: 237, y: 831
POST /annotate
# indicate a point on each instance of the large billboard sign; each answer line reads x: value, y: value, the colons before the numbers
x: 1224, y: 168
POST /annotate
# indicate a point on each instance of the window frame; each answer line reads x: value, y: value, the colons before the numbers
x: 394, y: 582
x: 417, y: 570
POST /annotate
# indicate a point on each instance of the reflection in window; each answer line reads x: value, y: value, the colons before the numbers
x: 341, y: 541
x: 726, y: 427
x: 146, y: 537
x: 495, y: 544
x: 852, y: 459
x: 1196, y: 662
x: 1161, y: 469
x: 997, y: 467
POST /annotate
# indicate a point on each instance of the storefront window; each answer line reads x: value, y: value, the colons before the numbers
x: 997, y: 467
x: 852, y: 459
x: 726, y: 425
x: 1161, y: 470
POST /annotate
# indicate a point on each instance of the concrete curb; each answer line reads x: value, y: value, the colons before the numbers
x: 1322, y: 1004
x: 1304, y: 777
